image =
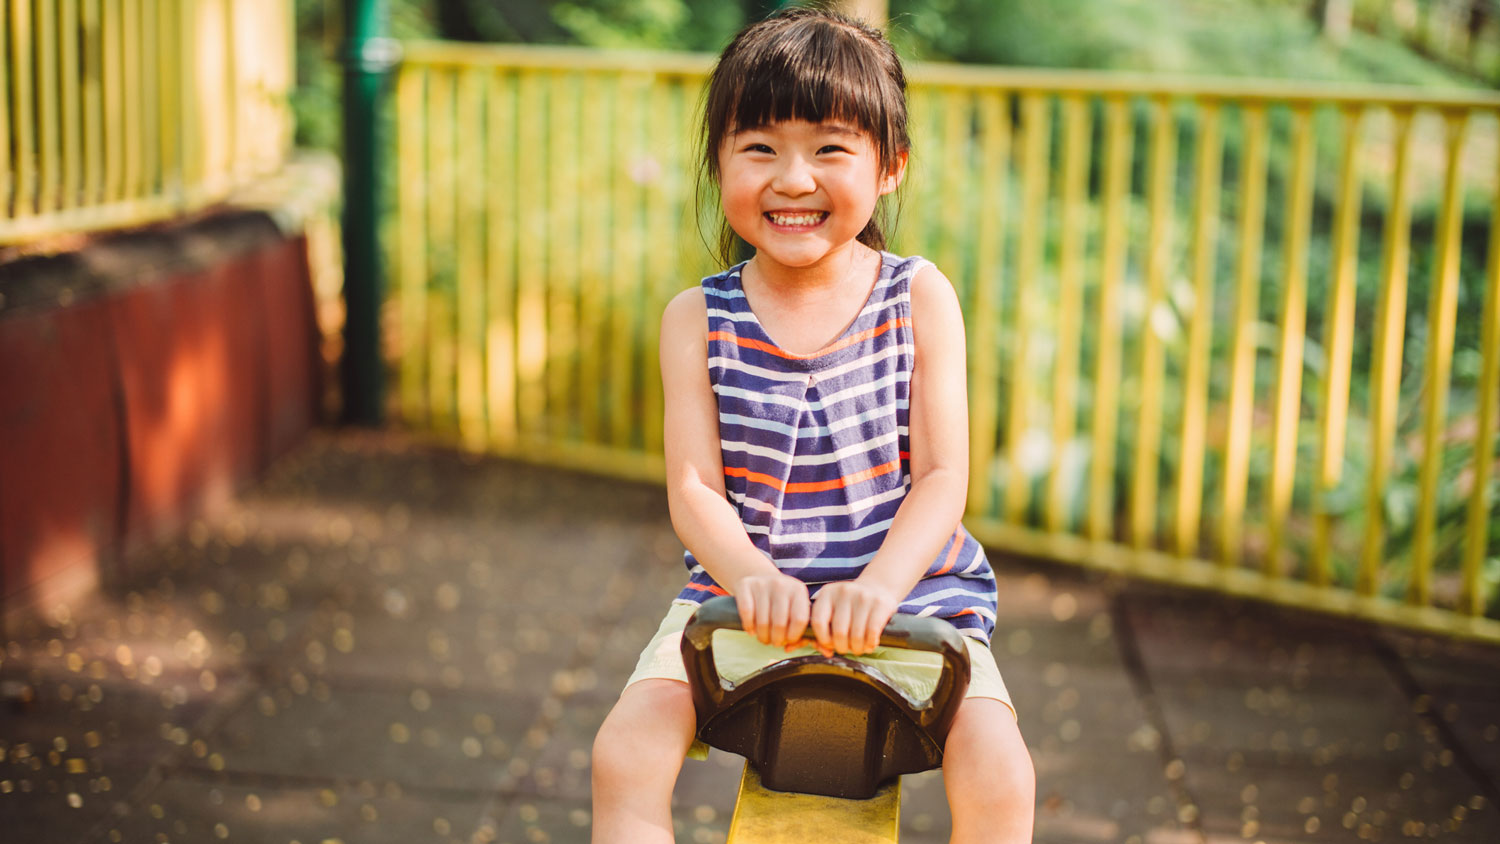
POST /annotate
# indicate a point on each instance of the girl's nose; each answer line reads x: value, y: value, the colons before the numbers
x: 794, y: 178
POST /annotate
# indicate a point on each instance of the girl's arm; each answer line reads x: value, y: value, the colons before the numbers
x: 772, y: 605
x: 849, y: 616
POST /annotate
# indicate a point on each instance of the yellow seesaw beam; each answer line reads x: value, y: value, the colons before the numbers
x: 762, y: 816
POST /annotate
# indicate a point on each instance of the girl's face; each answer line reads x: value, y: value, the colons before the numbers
x: 801, y: 192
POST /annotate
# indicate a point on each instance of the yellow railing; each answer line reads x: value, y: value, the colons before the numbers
x: 122, y: 112
x: 1184, y: 362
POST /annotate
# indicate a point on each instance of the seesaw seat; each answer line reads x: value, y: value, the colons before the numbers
x: 824, y: 738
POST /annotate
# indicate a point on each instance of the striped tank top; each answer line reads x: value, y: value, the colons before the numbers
x: 816, y: 450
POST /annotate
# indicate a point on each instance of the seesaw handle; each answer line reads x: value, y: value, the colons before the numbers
x: 903, y: 631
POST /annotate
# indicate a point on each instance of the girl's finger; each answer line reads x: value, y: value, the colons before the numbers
x: 818, y: 621
x: 746, y: 605
x: 838, y: 626
x: 780, y: 613
x: 796, y: 624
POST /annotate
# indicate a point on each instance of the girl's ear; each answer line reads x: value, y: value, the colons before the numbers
x: 892, y: 179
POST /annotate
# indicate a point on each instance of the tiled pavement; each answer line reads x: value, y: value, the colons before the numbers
x: 384, y: 642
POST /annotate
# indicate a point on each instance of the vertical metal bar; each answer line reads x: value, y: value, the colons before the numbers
x: 130, y: 75
x: 22, y: 95
x: 72, y: 175
x: 624, y: 303
x: 984, y: 314
x: 1441, y: 313
x: 1105, y: 423
x: 1291, y: 338
x: 953, y: 211
x: 48, y: 146
x: 531, y: 309
x: 1036, y: 131
x: 1207, y: 171
x: 7, y: 173
x: 563, y: 258
x: 1077, y: 127
x: 500, y: 263
x: 1338, y: 334
x: 470, y: 258
x: 169, y: 69
x: 411, y: 276
x: 660, y: 173
x: 1476, y: 538
x: 1252, y: 188
x: 93, y: 103
x: 593, y: 283
x: 442, y: 287
x: 151, y: 125
x: 1147, y: 447
x: 1385, y: 363
x: 368, y: 58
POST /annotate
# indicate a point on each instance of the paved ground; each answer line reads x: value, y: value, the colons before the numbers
x: 387, y: 643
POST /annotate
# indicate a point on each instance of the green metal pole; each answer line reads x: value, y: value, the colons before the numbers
x: 368, y: 57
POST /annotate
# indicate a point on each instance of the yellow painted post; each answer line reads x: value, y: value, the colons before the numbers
x: 93, y: 103
x: 593, y: 286
x: 1441, y: 313
x: 563, y: 257
x: 1252, y: 187
x: 763, y: 816
x: 151, y: 128
x: 1290, y: 339
x: 915, y: 227
x: 1036, y: 132
x: 470, y: 261
x: 72, y: 133
x: 1207, y: 169
x: 625, y: 196
x: 168, y: 70
x: 984, y: 313
x: 441, y: 289
x: 1147, y: 447
x: 7, y: 176
x: 194, y: 122
x: 1385, y: 363
x: 411, y: 274
x: 1338, y: 334
x: 130, y: 74
x: 531, y: 302
x: 1117, y: 150
x: 1476, y: 534
x: 22, y: 93
x: 48, y: 146
x: 500, y: 261
x: 1077, y: 127
x: 660, y: 173
x: 952, y: 210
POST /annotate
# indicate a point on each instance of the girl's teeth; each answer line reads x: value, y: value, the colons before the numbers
x: 796, y: 219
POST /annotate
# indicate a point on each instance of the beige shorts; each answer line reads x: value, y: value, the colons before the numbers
x: 737, y: 655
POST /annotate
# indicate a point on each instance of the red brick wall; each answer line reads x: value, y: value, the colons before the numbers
x: 124, y: 415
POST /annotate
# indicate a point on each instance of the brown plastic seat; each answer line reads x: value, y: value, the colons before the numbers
x: 825, y: 725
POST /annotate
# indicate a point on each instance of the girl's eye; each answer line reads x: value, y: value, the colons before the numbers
x: 832, y: 148
x: 757, y: 148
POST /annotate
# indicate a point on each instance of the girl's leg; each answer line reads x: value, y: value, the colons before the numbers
x: 988, y: 774
x: 637, y: 754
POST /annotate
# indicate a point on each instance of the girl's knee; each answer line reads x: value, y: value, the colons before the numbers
x: 648, y: 727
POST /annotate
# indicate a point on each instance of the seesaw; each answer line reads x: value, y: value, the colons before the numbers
x: 825, y: 739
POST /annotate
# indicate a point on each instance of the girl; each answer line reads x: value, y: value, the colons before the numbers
x: 816, y: 412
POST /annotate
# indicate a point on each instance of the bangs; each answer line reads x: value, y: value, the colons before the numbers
x: 825, y: 78
x: 808, y: 69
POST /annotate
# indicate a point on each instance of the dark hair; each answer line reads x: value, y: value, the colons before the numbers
x: 813, y: 65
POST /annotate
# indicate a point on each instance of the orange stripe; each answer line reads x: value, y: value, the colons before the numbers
x: 840, y: 344
x: 952, y: 553
x: 812, y: 486
x: 713, y: 589
x: 964, y: 612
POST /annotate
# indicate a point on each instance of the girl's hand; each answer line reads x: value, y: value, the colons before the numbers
x: 848, y: 617
x: 773, y: 607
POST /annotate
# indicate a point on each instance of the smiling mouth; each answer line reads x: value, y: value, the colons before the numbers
x: 798, y: 219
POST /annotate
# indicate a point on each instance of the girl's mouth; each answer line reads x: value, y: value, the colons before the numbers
x: 796, y: 219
